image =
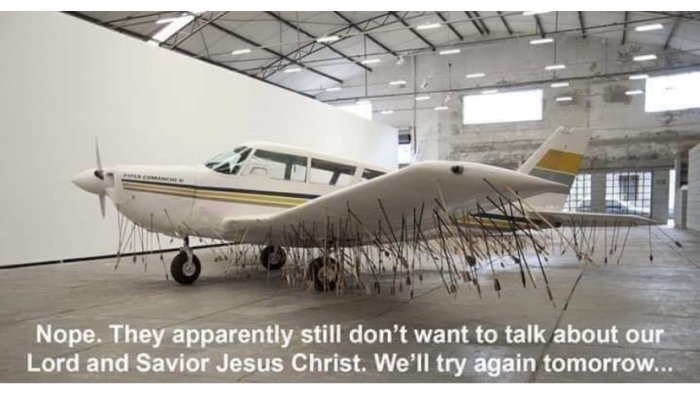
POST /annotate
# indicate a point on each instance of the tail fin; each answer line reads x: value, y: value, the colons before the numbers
x: 558, y: 159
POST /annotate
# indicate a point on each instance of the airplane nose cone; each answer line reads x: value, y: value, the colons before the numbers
x: 88, y: 181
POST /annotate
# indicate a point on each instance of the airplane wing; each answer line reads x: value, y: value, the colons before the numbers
x: 387, y: 207
x: 577, y: 219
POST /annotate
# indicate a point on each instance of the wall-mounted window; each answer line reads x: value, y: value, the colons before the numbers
x: 331, y: 173
x: 502, y: 107
x: 672, y: 92
x: 579, y: 199
x: 628, y: 192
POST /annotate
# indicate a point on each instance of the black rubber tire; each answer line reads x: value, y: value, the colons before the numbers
x: 176, y: 269
x: 265, y: 257
x: 315, y: 269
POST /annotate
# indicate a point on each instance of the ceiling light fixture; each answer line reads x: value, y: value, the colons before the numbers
x: 293, y: 69
x: 649, y: 27
x: 428, y: 26
x: 439, y: 108
x: 449, y: 51
x: 241, y: 51
x: 526, y: 13
x: 397, y: 82
x: 421, y: 98
x: 541, y: 41
x: 564, y: 99
x: 634, y: 92
x: 386, y: 112
x: 334, y: 89
x: 326, y: 39
x: 476, y: 75
x: 645, y: 57
x: 555, y: 67
x: 559, y: 85
x: 371, y: 61
x: 489, y: 91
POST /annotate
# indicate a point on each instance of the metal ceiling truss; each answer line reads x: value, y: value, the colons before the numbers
x: 505, y: 22
x: 314, y: 47
x: 582, y: 23
x: 449, y: 25
x: 366, y: 28
x: 540, y: 28
x: 481, y: 21
x: 410, y: 28
x: 274, y: 52
x: 364, y: 32
x: 314, y: 38
x: 476, y: 25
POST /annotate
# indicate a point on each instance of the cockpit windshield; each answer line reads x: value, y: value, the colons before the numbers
x: 229, y: 162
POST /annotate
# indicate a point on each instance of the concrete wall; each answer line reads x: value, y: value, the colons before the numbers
x: 624, y: 136
x: 64, y: 82
x: 693, y: 200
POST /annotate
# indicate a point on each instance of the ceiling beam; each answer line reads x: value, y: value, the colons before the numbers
x: 624, y: 28
x: 583, y: 25
x: 274, y: 52
x: 334, y: 50
x: 505, y: 23
x: 473, y: 21
x: 449, y: 25
x: 538, y: 21
x: 407, y: 25
x: 194, y: 31
x: 539, y: 82
x: 667, y: 44
x: 367, y: 35
x: 319, y: 48
x: 482, y: 22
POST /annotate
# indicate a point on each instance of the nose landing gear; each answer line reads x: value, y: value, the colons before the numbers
x: 185, y: 267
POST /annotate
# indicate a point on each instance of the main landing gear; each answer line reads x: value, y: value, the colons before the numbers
x: 323, y: 271
x: 185, y: 267
x: 273, y: 257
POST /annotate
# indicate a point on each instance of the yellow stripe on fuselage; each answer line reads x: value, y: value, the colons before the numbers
x: 213, y: 195
x: 560, y: 162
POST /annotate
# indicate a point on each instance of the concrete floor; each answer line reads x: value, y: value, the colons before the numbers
x: 92, y: 295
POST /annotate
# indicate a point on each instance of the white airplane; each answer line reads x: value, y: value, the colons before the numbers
x: 280, y: 196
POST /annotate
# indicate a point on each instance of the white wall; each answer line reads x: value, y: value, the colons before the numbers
x: 64, y: 82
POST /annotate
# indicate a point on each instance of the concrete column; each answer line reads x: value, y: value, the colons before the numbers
x: 659, y: 195
x: 598, y: 192
x: 693, y: 202
x: 680, y: 210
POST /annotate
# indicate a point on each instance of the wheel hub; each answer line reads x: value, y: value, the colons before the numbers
x: 188, y: 268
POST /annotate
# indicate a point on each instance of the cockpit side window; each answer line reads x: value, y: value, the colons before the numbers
x: 278, y: 166
x: 229, y: 162
x: 331, y: 173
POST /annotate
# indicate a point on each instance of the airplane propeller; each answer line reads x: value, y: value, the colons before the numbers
x: 99, y: 173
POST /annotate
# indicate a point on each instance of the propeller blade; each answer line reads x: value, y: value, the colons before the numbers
x: 98, y: 171
x: 102, y: 204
